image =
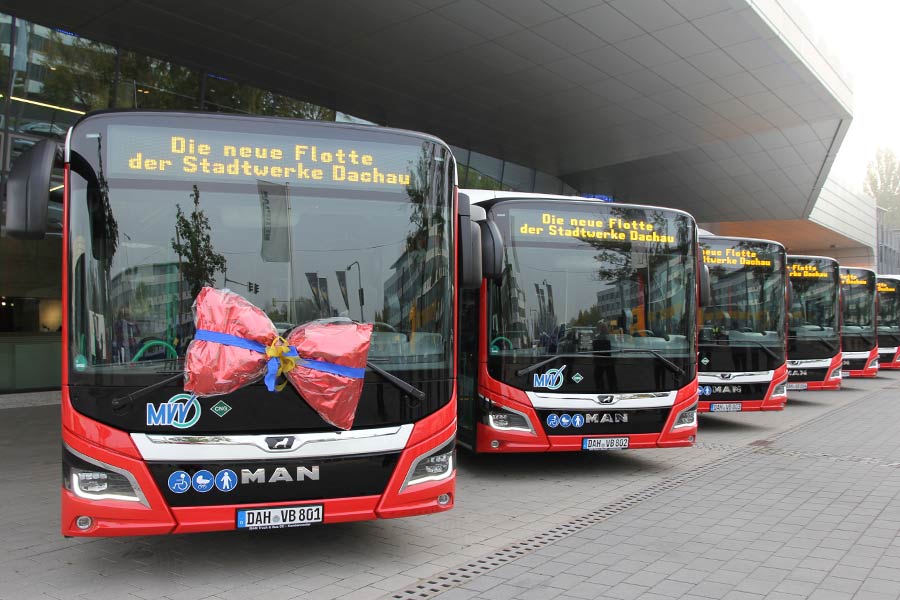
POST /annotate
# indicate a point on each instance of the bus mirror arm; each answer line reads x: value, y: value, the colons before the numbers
x: 28, y: 191
x: 470, y: 274
x: 491, y: 250
x: 705, y: 290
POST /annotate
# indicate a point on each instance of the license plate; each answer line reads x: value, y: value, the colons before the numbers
x: 607, y: 443
x: 278, y: 518
x: 725, y: 407
x: 796, y: 386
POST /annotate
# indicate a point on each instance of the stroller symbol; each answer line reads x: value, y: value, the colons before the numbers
x: 203, y: 481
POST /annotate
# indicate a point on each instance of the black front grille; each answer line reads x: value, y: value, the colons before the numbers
x: 718, y: 392
x: 855, y: 364
x: 607, y: 421
x: 805, y: 374
x: 285, y: 480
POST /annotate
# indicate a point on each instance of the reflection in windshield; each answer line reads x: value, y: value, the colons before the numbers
x: 815, y: 291
x: 747, y: 283
x: 298, y: 253
x: 569, y: 295
x: 888, y: 311
x: 858, y: 286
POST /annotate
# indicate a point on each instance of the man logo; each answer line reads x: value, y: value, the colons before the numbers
x: 725, y: 375
x: 606, y: 399
x: 616, y: 417
x: 280, y: 443
x: 726, y: 389
x: 279, y: 474
x: 552, y: 379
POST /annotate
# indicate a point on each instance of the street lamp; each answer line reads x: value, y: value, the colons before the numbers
x: 359, y: 289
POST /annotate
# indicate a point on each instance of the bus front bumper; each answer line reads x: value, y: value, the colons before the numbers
x: 679, y: 430
x: 889, y: 358
x: 712, y: 401
x: 146, y: 511
x: 865, y: 363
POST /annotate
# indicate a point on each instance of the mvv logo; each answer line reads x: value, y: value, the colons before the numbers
x: 181, y: 411
x: 552, y: 379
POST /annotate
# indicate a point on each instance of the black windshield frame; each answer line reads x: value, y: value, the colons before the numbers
x: 429, y: 247
x: 562, y: 308
x: 859, y: 312
x: 888, y: 289
x: 744, y: 327
x: 814, y: 318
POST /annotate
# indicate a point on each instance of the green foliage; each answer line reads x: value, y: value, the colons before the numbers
x: 192, y: 243
x: 587, y: 318
x: 476, y: 180
x: 79, y: 72
x: 882, y: 182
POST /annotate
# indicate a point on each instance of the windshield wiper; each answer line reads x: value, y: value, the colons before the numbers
x: 822, y: 341
x: 765, y: 348
x: 827, y: 344
x: 129, y: 398
x: 398, y: 383
x: 665, y: 361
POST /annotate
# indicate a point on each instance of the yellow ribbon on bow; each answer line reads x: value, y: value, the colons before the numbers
x: 280, y: 350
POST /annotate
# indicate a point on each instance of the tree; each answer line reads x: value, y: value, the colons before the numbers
x: 883, y: 183
x: 198, y: 260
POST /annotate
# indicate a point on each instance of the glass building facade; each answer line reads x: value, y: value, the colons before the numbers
x: 48, y: 80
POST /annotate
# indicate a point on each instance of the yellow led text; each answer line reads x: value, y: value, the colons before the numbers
x: 300, y: 162
x: 612, y: 228
x: 733, y: 256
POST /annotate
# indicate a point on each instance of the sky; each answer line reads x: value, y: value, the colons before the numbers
x: 863, y: 36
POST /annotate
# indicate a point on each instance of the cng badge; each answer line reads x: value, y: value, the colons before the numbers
x: 551, y: 380
x: 181, y: 411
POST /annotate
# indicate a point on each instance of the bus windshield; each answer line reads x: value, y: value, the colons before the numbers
x: 612, y: 283
x: 858, y: 286
x: 305, y: 225
x: 747, y: 281
x: 888, y: 312
x: 814, y: 319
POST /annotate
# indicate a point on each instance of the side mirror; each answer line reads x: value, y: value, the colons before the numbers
x: 469, y: 247
x: 28, y: 191
x: 491, y: 250
x: 705, y: 289
x: 789, y: 294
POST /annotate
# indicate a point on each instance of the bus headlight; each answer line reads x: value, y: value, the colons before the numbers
x: 508, y: 419
x: 436, y: 465
x: 780, y: 389
x: 836, y: 374
x: 686, y: 418
x: 92, y: 479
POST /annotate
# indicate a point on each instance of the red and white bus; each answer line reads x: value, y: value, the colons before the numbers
x: 310, y: 221
x: 859, y: 337
x: 742, y: 331
x: 586, y: 327
x: 888, y: 287
x: 814, y: 324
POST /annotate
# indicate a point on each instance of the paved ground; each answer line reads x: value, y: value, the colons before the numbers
x: 797, y: 504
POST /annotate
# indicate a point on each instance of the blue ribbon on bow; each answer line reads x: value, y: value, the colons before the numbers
x: 281, y: 361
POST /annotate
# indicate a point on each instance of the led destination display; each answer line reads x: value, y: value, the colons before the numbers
x: 806, y: 271
x: 197, y: 155
x: 557, y: 225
